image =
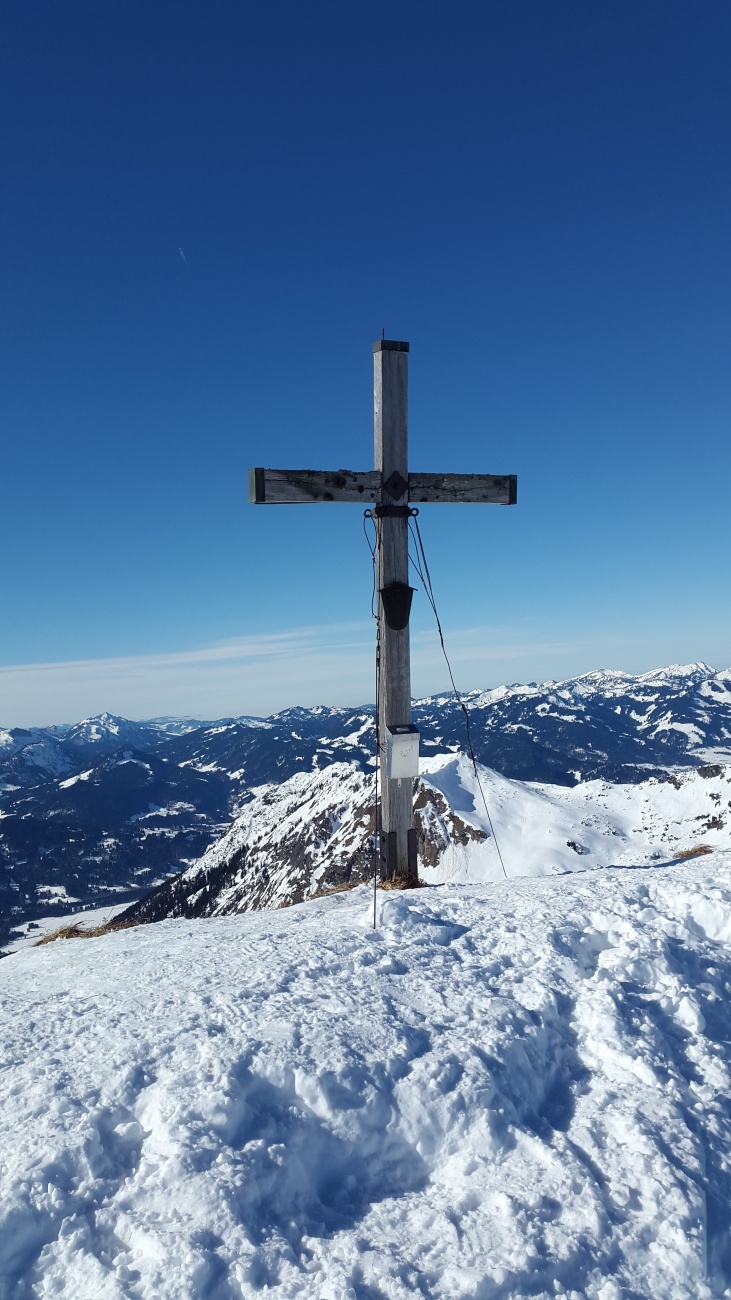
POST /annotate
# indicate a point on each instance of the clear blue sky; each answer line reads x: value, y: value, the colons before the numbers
x: 536, y: 196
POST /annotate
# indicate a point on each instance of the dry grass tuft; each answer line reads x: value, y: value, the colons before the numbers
x: 693, y: 853
x: 78, y: 931
x: 403, y: 882
x: 343, y: 888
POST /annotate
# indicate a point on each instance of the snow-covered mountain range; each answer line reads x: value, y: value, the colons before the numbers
x: 313, y: 833
x: 101, y: 810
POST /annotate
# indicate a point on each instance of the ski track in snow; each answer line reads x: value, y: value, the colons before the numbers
x: 509, y: 1090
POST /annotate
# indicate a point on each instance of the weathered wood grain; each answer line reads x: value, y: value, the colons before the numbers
x: 298, y: 486
x: 390, y: 427
x: 478, y: 489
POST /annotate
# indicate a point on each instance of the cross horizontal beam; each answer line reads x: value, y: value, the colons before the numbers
x: 470, y: 489
x: 298, y: 486
x: 283, y: 487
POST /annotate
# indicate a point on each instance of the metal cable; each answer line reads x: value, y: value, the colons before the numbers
x: 373, y: 548
x: 425, y: 576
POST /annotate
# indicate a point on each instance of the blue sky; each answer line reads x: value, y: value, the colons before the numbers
x: 537, y: 196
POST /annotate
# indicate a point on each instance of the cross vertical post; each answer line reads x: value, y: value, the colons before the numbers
x: 390, y: 428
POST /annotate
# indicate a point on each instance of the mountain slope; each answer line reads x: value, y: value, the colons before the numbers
x: 314, y: 832
x: 104, y: 834
x: 607, y: 725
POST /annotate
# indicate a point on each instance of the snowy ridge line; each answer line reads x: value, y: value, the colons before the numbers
x: 313, y: 832
x: 501, y: 1092
x: 675, y: 681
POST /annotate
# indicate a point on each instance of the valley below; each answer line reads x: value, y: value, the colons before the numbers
x: 103, y: 812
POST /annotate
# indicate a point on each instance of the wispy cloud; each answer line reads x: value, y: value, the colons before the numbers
x: 253, y: 674
x: 261, y: 674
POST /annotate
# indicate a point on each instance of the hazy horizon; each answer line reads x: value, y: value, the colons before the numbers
x: 263, y: 676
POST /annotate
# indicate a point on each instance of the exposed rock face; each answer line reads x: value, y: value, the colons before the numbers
x: 438, y: 826
x: 311, y: 834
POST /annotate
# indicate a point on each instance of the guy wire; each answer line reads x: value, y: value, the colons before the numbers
x: 425, y: 576
x: 374, y: 614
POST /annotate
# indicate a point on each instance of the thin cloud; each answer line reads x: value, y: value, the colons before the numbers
x: 264, y: 673
x: 297, y: 641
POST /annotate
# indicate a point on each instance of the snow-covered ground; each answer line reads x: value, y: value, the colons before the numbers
x: 544, y: 829
x: 505, y: 1090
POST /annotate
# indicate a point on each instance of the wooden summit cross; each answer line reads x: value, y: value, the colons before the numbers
x: 394, y: 492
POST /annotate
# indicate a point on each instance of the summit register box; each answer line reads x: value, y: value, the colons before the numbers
x: 402, y: 752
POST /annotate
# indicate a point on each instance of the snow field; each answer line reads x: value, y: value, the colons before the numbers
x: 505, y: 1090
x: 550, y: 829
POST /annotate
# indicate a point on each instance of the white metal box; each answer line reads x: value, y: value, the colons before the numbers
x: 402, y: 752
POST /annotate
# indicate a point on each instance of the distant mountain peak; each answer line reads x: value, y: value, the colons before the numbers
x: 112, y: 721
x: 696, y: 671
